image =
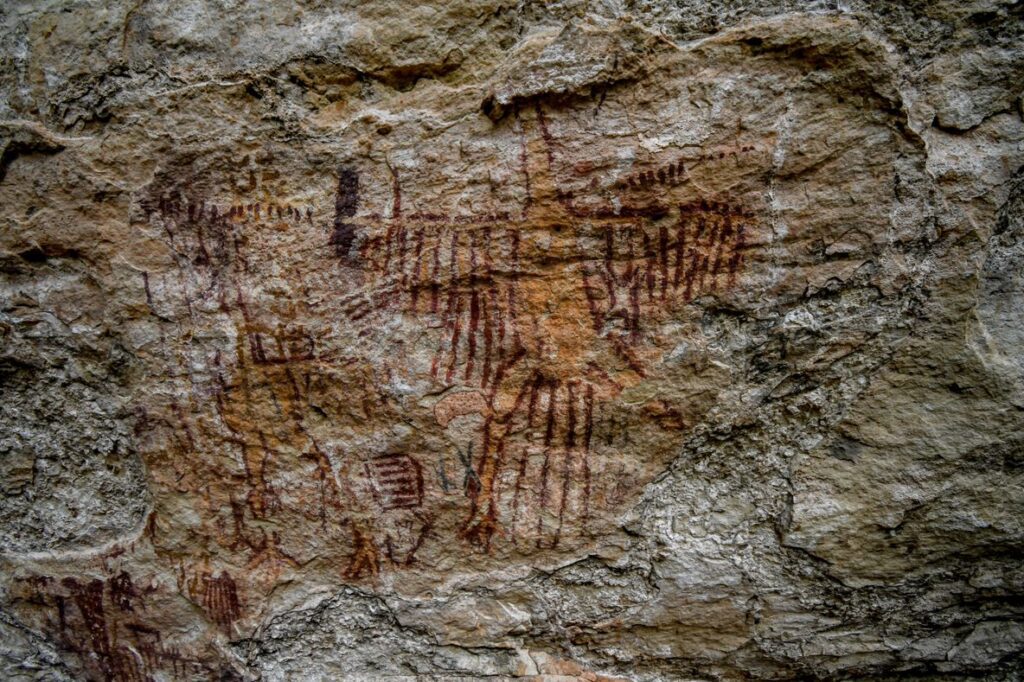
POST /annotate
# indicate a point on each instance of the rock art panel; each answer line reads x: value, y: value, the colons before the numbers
x: 580, y: 347
x: 526, y: 325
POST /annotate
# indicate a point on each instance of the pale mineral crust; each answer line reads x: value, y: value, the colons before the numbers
x: 582, y: 340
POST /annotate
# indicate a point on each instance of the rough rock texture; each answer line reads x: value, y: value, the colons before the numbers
x: 649, y: 340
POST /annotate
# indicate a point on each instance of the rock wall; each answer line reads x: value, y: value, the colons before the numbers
x: 647, y: 340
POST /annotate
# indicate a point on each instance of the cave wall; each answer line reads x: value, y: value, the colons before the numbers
x: 469, y: 340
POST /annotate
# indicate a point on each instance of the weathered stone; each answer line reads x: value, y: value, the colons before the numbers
x: 460, y: 340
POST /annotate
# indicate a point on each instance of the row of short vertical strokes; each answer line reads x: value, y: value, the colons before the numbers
x: 706, y: 244
x: 673, y: 173
x: 198, y: 210
x: 707, y: 241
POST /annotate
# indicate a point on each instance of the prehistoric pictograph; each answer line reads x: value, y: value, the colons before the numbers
x: 572, y: 340
x: 475, y: 282
x: 535, y: 319
x: 310, y: 384
x: 107, y: 622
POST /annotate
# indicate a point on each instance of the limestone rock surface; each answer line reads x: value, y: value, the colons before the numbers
x: 592, y: 339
